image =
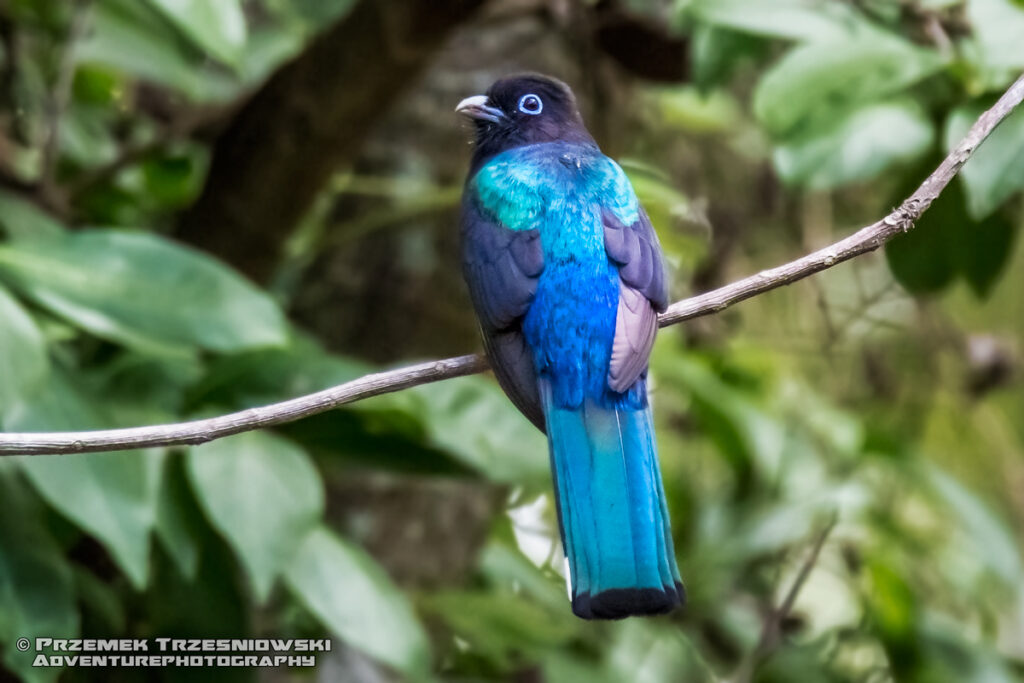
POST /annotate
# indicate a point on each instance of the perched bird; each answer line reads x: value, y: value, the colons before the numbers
x: 567, y: 279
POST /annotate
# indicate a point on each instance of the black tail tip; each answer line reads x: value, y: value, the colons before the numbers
x: 618, y: 603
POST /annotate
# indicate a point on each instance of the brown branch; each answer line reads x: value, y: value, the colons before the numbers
x: 201, y: 431
x: 771, y: 629
x: 9, y: 71
x: 864, y: 240
x: 57, y: 103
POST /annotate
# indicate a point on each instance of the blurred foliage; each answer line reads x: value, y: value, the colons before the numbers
x: 885, y: 397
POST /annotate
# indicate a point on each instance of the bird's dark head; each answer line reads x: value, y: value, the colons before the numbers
x: 523, y: 110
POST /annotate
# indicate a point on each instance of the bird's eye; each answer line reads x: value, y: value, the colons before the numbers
x: 530, y: 104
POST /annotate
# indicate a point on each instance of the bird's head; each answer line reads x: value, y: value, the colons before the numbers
x: 523, y: 110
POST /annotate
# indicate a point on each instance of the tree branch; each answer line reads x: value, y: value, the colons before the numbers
x: 771, y: 630
x: 864, y: 240
x: 58, y: 102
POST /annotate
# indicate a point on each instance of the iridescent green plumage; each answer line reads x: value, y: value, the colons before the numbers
x: 516, y: 186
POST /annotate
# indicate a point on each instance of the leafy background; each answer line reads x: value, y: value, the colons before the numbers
x: 201, y: 210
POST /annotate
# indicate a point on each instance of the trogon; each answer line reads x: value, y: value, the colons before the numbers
x: 567, y: 279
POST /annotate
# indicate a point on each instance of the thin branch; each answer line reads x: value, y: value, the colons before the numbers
x: 200, y: 431
x: 771, y: 629
x: 9, y: 70
x: 935, y: 31
x: 59, y: 99
x: 864, y: 240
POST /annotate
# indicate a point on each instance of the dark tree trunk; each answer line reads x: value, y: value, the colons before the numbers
x: 309, y: 119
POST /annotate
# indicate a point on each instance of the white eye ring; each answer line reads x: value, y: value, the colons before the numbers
x: 529, y: 110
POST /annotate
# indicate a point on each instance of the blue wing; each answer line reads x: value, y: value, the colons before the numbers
x: 501, y: 267
x: 643, y: 293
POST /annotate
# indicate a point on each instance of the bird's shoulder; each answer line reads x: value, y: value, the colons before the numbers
x: 515, y: 186
x: 519, y: 182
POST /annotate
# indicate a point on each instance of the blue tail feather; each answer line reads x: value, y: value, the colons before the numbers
x: 612, y: 512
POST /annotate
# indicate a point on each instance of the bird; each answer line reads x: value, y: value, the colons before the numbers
x: 567, y: 278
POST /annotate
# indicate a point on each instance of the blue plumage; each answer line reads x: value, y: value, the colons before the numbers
x: 566, y: 277
x: 615, y: 527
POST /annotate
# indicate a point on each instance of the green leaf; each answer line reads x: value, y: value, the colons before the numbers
x: 355, y: 599
x: 500, y: 625
x: 174, y: 180
x: 810, y: 20
x: 274, y: 374
x: 855, y: 147
x: 144, y: 291
x: 558, y: 665
x: 112, y: 496
x: 179, y: 524
x: 36, y: 583
x: 97, y: 86
x: 213, y: 603
x: 947, y: 242
x: 745, y: 434
x: 717, y: 52
x: 23, y: 360
x: 692, y: 111
x: 682, y: 227
x: 996, y: 171
x: 389, y: 432
x: 999, y: 28
x: 216, y: 26
x: 892, y: 603
x: 919, y: 262
x: 472, y: 419
x: 985, y: 532
x: 263, y: 494
x: 815, y: 81
x: 266, y: 49
x: 806, y: 663
x: 100, y: 601
x: 985, y: 251
x: 506, y: 567
x: 22, y: 220
x: 133, y: 38
x: 665, y: 652
x: 86, y: 137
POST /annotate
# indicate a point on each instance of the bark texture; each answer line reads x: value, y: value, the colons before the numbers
x: 306, y: 121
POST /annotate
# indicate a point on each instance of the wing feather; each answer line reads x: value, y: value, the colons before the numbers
x: 634, y: 248
x: 501, y: 267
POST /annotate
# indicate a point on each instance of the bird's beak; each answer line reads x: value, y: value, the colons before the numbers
x: 477, y: 107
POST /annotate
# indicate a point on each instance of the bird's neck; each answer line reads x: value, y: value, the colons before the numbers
x: 577, y: 148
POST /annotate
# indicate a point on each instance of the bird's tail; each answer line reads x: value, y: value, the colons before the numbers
x: 611, y: 511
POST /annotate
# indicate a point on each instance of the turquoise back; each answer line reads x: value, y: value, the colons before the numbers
x: 561, y: 190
